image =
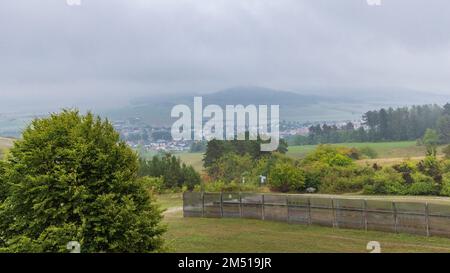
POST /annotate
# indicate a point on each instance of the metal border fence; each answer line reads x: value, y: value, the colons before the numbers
x: 427, y: 219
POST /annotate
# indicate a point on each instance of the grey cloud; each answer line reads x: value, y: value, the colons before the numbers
x: 110, y: 50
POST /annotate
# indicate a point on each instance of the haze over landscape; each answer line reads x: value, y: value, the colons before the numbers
x: 113, y: 56
x: 357, y: 158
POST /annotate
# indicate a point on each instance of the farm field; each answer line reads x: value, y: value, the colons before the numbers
x: 388, y: 152
x: 243, y: 235
x: 194, y: 159
x: 400, y: 149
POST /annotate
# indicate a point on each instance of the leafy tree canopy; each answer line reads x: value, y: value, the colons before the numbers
x: 70, y: 178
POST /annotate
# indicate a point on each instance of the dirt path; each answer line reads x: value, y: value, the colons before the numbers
x: 173, y: 210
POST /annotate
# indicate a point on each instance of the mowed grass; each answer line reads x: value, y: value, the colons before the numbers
x: 193, y: 159
x: 169, y: 200
x: 399, y: 149
x: 244, y: 235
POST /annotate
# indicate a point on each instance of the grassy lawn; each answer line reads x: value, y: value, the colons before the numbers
x: 243, y: 235
x: 193, y: 159
x: 401, y: 149
x: 170, y: 200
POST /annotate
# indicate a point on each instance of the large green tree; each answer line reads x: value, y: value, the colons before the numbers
x: 70, y: 178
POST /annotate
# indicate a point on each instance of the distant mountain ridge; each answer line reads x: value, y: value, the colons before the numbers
x: 303, y: 107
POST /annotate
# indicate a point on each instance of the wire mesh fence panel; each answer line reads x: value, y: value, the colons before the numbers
x: 298, y: 209
x: 212, y: 206
x: 231, y: 205
x: 349, y: 213
x: 275, y: 207
x: 192, y: 204
x: 380, y: 216
x: 404, y: 217
x: 251, y: 205
x: 411, y: 218
x: 439, y: 220
x: 322, y: 211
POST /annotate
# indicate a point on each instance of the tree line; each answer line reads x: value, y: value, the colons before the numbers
x: 391, y: 124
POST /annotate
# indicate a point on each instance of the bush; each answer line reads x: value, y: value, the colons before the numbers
x: 445, y: 190
x: 430, y: 166
x: 369, y: 152
x: 446, y: 152
x: 336, y: 184
x: 314, y: 174
x: 286, y: 177
x: 423, y: 185
x: 153, y: 184
x: 386, y: 181
x: 231, y: 167
x: 70, y: 178
x: 406, y: 168
x: 330, y: 155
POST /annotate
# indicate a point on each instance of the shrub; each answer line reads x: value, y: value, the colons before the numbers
x: 446, y: 152
x: 314, y: 174
x: 423, y: 185
x: 406, y: 168
x: 330, y: 155
x: 369, y: 152
x: 386, y: 181
x: 153, y: 184
x: 431, y: 166
x: 445, y: 190
x: 336, y: 184
x: 231, y: 167
x: 286, y: 177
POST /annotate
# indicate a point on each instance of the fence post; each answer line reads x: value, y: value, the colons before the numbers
x: 203, y: 204
x: 365, y: 214
x: 287, y: 208
x: 240, y: 204
x: 309, y: 211
x: 394, y: 208
x: 427, y: 219
x: 333, y: 209
x: 184, y: 203
x: 221, y: 204
x: 263, y: 216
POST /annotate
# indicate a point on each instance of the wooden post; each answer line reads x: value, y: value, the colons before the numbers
x: 287, y: 208
x: 263, y: 216
x: 394, y: 208
x: 240, y: 204
x: 221, y: 204
x: 309, y: 211
x: 365, y: 214
x: 427, y: 219
x: 184, y: 203
x: 333, y: 209
x: 203, y: 204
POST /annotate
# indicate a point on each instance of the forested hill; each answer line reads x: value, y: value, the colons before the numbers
x: 300, y: 106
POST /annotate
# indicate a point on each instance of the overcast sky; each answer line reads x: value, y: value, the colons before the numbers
x: 106, y: 51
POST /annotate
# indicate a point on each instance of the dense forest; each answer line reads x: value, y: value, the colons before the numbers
x: 404, y: 123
